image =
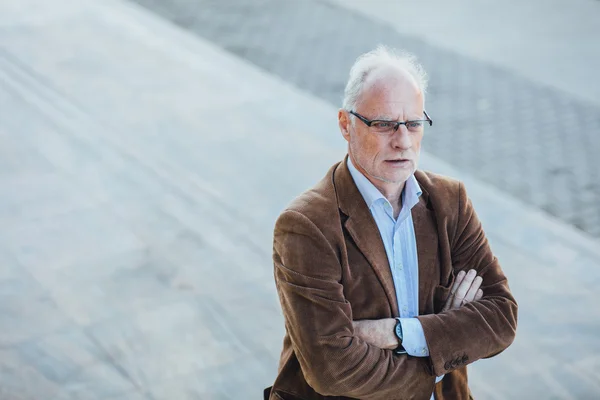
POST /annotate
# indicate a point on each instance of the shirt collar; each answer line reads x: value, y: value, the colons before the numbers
x: 410, y: 194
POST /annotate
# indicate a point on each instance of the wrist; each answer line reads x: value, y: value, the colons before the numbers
x: 399, y: 337
x: 390, y: 328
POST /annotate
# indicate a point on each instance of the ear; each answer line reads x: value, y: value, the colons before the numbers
x: 344, y: 123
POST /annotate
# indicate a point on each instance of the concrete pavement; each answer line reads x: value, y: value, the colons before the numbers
x: 142, y: 171
x: 552, y: 42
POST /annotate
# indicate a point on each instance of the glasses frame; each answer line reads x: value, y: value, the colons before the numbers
x: 397, y: 124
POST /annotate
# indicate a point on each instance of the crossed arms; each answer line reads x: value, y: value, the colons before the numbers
x: 379, y: 332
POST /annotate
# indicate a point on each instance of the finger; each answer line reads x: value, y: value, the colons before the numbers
x: 457, y: 281
x: 463, y: 288
x: 360, y: 325
x: 479, y: 295
x: 448, y: 302
x: 470, y: 296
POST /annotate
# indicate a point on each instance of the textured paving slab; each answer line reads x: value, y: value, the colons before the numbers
x: 535, y: 42
x: 135, y: 260
x: 533, y: 140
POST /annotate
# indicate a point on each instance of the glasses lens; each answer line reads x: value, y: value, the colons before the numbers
x: 415, y: 126
x: 382, y: 126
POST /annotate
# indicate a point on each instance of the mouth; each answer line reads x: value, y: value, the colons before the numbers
x: 398, y: 162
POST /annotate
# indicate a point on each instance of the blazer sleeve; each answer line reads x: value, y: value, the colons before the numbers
x: 318, y: 320
x: 479, y: 329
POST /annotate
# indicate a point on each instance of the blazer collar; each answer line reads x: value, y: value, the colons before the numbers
x: 362, y: 228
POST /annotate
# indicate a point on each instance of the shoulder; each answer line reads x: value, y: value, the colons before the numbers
x: 440, y: 187
x: 449, y: 201
x: 316, y: 204
x: 447, y: 195
x: 309, y: 224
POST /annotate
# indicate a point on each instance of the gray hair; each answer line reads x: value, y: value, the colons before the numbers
x: 374, y: 59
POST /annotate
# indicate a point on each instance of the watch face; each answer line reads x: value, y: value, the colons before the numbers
x: 399, y: 331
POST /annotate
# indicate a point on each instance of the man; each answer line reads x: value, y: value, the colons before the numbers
x: 386, y: 280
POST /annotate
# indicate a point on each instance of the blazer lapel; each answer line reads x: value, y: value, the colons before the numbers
x: 427, y: 246
x: 362, y: 228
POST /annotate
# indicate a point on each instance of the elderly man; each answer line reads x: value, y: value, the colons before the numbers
x: 387, y: 282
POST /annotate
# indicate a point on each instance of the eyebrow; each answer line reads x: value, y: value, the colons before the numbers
x: 386, y: 118
x: 382, y: 118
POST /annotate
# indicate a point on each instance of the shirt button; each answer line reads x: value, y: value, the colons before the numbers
x: 423, y: 351
x: 405, y: 309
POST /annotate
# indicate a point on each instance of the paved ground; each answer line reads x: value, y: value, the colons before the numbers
x: 512, y: 114
x: 136, y: 226
x: 534, y: 43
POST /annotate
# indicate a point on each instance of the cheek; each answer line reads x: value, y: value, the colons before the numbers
x: 365, y: 144
x: 375, y: 148
x: 417, y: 143
x: 369, y: 148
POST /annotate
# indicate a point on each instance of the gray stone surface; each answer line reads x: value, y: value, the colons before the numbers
x: 535, y: 42
x: 135, y: 252
x: 532, y: 139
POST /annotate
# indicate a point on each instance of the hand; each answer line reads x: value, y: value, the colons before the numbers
x: 377, y: 332
x: 465, y: 289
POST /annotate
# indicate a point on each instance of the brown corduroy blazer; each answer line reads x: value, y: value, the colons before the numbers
x: 331, y: 268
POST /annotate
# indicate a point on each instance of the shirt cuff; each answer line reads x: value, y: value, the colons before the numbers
x: 413, y: 337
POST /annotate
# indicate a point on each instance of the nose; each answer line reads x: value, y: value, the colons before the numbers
x: 401, y: 138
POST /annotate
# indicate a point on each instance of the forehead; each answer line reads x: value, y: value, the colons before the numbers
x: 391, y: 92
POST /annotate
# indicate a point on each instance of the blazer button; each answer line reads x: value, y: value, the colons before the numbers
x: 454, y: 363
x: 447, y: 365
x: 465, y: 359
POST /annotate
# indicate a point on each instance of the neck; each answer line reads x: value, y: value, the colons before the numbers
x: 392, y: 194
x: 392, y: 191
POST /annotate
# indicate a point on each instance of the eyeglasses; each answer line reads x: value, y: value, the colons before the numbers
x: 384, y: 127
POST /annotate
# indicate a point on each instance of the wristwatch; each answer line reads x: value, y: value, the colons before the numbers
x: 398, y: 331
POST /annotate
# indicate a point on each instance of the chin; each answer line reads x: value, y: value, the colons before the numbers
x: 401, y: 179
x: 395, y: 178
x: 398, y: 174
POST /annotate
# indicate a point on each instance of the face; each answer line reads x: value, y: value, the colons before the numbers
x: 390, y: 160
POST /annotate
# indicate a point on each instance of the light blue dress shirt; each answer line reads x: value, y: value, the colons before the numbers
x: 400, y: 244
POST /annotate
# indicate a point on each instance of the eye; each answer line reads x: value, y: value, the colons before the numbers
x: 414, y: 124
x: 382, y: 125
